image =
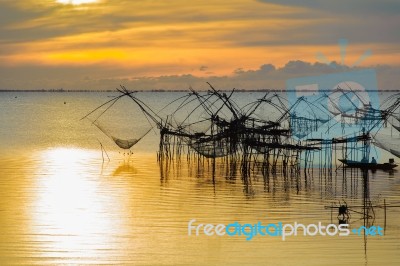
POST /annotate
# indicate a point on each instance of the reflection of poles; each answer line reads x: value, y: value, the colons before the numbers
x: 384, y: 209
x: 164, y: 165
x: 213, y: 171
x: 366, y: 201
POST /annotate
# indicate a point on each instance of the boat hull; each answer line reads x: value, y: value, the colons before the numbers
x: 372, y: 166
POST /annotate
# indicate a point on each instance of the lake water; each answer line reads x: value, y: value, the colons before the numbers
x: 62, y: 204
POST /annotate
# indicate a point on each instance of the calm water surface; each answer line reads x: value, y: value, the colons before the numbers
x: 61, y: 204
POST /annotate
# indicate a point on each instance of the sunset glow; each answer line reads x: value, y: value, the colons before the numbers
x: 142, y: 39
x: 76, y: 2
x: 175, y: 132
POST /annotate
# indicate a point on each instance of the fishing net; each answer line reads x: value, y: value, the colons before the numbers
x: 388, y: 143
x: 122, y: 143
x: 271, y: 108
x: 121, y: 120
x: 193, y: 112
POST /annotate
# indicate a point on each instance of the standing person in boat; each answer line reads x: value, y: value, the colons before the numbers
x: 373, y: 160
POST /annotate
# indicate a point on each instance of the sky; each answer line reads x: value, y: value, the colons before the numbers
x: 175, y: 44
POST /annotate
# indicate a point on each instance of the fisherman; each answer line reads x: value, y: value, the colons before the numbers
x: 373, y: 160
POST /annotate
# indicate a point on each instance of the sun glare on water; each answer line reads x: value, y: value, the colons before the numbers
x: 76, y: 2
x: 71, y: 211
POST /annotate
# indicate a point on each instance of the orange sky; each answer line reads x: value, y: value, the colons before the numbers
x: 202, y: 38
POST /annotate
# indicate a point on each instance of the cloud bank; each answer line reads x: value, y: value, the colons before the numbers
x: 267, y: 76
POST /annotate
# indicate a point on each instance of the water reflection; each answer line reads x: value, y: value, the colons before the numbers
x: 360, y: 217
x: 76, y: 210
x: 125, y: 168
x: 63, y: 206
x: 71, y: 214
x: 230, y: 171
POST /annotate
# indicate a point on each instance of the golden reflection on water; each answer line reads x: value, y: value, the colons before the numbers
x: 64, y: 206
x: 71, y: 212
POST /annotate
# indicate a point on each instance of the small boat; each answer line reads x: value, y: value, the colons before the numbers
x: 366, y: 165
